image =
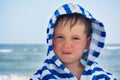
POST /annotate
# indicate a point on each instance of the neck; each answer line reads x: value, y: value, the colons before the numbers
x: 76, y: 69
x: 74, y: 65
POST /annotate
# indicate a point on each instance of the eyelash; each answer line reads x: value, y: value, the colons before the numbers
x: 59, y: 36
x: 73, y: 38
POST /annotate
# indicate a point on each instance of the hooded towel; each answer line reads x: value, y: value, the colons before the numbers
x: 54, y: 69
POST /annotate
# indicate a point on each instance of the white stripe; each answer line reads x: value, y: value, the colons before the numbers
x: 95, y: 47
x: 72, y: 78
x: 91, y: 57
x: 75, y: 8
x: 53, y: 18
x: 45, y: 72
x: 53, y: 67
x: 66, y: 70
x: 51, y: 31
x: 91, y: 67
x: 50, y: 41
x: 87, y: 68
x: 51, y: 54
x: 87, y: 14
x: 96, y: 26
x: 99, y: 73
x: 98, y: 37
x: 102, y: 72
x: 85, y: 77
x: 58, y: 62
x: 62, y: 10
x: 49, y: 25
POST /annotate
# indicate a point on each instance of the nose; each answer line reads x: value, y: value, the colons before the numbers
x: 67, y: 44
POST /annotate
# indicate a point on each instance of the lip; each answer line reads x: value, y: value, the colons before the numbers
x: 66, y: 52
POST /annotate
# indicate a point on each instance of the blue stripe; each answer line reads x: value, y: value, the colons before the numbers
x: 48, y: 30
x: 62, y: 75
x: 83, y: 12
x: 50, y: 48
x: 93, y: 19
x: 100, y: 44
x: 103, y: 34
x: 31, y: 79
x: 54, y: 72
x: 95, y: 53
x: 41, y: 70
x: 101, y: 24
x: 101, y: 76
x: 54, y: 58
x: 89, y: 62
x: 52, y: 23
x: 62, y: 66
x: 67, y: 9
x: 48, y: 76
x: 90, y: 72
x: 90, y: 15
x: 50, y: 36
x: 47, y: 40
x: 100, y: 33
x: 57, y: 13
x: 49, y: 61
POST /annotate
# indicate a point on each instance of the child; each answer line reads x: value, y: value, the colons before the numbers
x: 75, y: 40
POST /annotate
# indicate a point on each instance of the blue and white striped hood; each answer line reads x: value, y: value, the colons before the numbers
x: 54, y: 69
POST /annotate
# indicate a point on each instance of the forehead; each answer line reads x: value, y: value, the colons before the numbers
x: 66, y: 28
x: 69, y: 19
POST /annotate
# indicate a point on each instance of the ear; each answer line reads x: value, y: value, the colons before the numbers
x: 88, y: 42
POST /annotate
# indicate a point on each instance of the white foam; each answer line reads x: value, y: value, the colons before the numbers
x: 12, y: 77
x: 6, y: 50
x: 113, y: 47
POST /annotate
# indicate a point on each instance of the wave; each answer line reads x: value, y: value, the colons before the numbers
x: 113, y: 47
x: 20, y: 50
x: 6, y: 50
x: 13, y: 77
x: 9, y: 48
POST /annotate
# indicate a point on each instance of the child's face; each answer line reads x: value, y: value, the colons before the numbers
x: 69, y: 43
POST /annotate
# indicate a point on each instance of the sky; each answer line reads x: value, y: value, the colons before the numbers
x: 25, y: 21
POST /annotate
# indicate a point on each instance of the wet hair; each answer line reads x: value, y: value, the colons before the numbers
x: 75, y: 18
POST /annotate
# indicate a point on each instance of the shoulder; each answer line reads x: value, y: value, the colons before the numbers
x: 43, y: 73
x: 99, y: 72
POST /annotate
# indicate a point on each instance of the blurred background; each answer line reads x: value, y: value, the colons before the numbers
x: 23, y: 26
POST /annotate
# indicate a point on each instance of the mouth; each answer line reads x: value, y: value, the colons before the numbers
x: 66, y: 53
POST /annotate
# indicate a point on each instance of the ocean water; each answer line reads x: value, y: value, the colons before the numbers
x: 19, y: 61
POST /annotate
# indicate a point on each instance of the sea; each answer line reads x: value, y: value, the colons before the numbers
x: 20, y: 61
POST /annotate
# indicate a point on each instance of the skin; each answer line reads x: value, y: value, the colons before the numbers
x: 69, y: 44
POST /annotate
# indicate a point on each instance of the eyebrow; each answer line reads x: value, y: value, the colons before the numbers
x: 57, y: 34
x: 71, y: 35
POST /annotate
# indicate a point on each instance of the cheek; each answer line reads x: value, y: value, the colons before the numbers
x: 80, y: 45
x: 57, y: 45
